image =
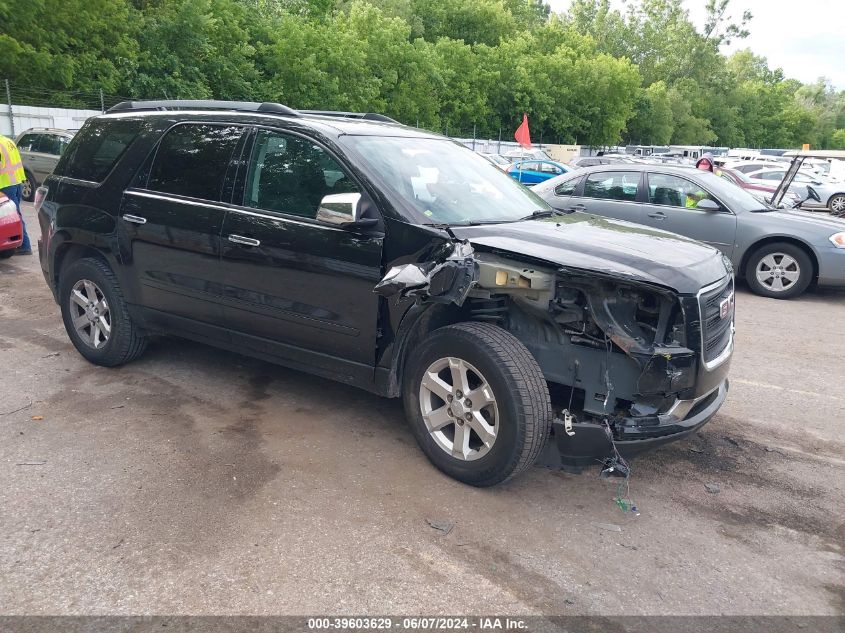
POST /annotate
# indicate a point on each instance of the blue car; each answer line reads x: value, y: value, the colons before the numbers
x: 530, y: 172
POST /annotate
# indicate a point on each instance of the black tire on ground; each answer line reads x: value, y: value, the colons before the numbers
x: 125, y: 341
x: 7, y: 253
x: 802, y: 263
x: 836, y: 205
x: 520, y: 391
x: 29, y: 187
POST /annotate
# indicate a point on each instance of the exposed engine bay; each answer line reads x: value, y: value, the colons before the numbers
x: 621, y: 356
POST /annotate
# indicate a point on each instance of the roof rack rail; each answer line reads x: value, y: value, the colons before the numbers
x: 204, y: 104
x: 367, y: 116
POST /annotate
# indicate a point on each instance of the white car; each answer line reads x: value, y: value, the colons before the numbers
x: 831, y: 195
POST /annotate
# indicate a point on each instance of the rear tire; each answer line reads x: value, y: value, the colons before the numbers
x: 28, y: 187
x: 507, y: 425
x: 836, y: 205
x: 780, y: 271
x: 95, y: 314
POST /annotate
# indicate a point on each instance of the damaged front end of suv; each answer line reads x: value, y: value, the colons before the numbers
x: 630, y: 363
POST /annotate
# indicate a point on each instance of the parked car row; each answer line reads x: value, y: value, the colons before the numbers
x: 778, y: 252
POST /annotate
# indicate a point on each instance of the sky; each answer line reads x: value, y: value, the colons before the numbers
x: 803, y: 37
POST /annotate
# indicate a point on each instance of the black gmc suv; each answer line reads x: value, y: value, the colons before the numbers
x: 392, y: 259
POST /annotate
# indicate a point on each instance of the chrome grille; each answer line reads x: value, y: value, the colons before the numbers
x: 716, y: 320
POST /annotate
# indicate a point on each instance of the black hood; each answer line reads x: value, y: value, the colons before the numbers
x: 623, y: 249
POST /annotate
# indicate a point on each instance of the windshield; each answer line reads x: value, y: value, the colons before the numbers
x: 733, y: 196
x: 442, y: 182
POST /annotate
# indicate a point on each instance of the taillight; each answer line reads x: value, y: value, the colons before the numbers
x: 7, y: 207
x: 40, y: 196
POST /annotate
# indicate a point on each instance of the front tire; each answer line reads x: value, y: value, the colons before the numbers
x: 477, y: 403
x: 836, y: 205
x: 95, y: 314
x: 780, y: 271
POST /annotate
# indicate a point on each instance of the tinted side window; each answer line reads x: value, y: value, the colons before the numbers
x: 50, y: 144
x: 674, y: 191
x: 192, y: 160
x: 612, y: 185
x: 97, y: 147
x: 291, y: 175
x: 27, y: 142
x: 566, y: 188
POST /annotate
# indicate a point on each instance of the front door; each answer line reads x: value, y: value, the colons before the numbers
x: 672, y: 207
x: 296, y: 287
x: 170, y: 223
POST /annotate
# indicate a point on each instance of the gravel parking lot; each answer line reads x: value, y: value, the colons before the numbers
x: 196, y: 481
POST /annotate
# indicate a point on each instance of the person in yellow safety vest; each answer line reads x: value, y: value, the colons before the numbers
x: 693, y: 198
x: 11, y: 177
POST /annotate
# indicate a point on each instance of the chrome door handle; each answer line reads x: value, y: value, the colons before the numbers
x: 657, y: 215
x: 135, y: 219
x: 246, y: 241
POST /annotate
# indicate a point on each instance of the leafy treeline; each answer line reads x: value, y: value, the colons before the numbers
x: 594, y: 75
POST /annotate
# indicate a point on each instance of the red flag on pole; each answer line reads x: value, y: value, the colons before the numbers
x: 522, y: 135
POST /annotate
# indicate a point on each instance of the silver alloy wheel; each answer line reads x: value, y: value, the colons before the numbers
x: 837, y: 205
x: 90, y: 313
x: 778, y: 272
x: 459, y: 408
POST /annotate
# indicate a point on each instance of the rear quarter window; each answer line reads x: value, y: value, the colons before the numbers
x: 97, y: 147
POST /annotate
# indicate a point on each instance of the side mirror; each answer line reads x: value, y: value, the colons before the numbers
x: 812, y: 194
x: 339, y: 208
x: 344, y: 210
x: 706, y: 204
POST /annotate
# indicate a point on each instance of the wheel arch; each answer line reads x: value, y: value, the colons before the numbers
x: 831, y: 197
x: 419, y: 321
x: 775, y: 239
x: 68, y: 252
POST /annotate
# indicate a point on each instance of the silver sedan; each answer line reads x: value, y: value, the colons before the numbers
x: 780, y: 253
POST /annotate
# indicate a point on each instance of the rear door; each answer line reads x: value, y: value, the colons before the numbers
x: 528, y: 172
x: 672, y: 207
x: 611, y: 193
x: 549, y: 170
x: 297, y: 287
x: 170, y: 224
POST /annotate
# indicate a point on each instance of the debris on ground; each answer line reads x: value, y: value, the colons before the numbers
x: 31, y: 463
x: 441, y: 525
x: 713, y: 489
x: 37, y: 417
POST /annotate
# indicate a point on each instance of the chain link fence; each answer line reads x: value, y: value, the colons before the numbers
x: 26, y: 107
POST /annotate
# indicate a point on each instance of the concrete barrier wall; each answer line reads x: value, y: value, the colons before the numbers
x: 26, y: 117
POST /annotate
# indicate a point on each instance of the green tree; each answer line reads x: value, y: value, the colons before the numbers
x: 74, y: 46
x: 653, y: 116
x: 193, y: 49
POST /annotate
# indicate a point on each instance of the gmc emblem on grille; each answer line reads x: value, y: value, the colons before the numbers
x: 725, y: 306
